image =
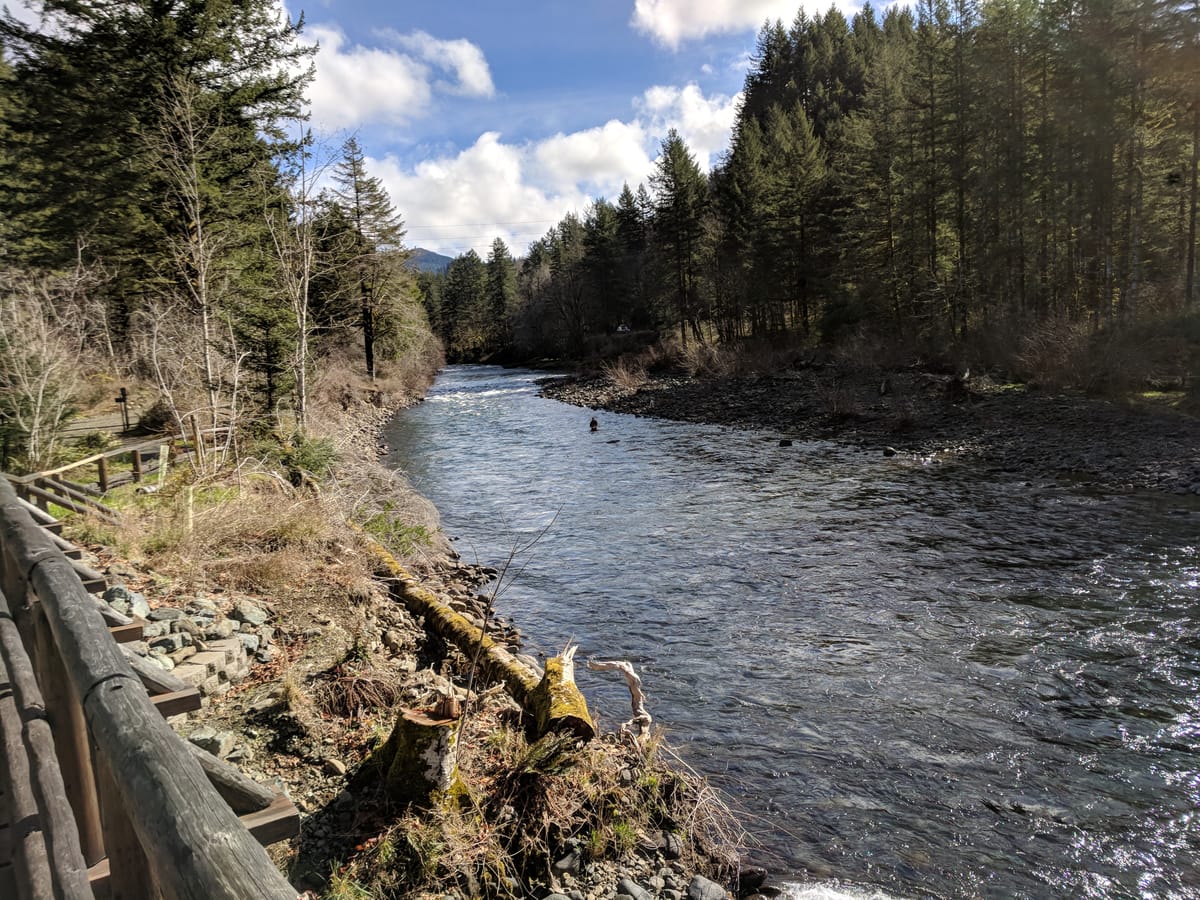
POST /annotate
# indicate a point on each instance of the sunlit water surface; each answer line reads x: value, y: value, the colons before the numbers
x: 908, y: 676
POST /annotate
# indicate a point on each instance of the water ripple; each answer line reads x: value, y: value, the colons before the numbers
x: 914, y: 679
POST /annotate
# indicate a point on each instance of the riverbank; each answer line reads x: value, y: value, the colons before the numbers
x: 1013, y: 429
x: 333, y: 654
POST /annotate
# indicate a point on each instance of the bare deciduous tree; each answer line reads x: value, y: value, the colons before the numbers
x: 39, y: 362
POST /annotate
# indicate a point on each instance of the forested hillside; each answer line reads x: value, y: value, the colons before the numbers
x: 987, y: 180
x: 160, y: 219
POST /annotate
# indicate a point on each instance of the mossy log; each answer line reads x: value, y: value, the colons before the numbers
x: 553, y: 703
x: 418, y: 763
x: 556, y: 703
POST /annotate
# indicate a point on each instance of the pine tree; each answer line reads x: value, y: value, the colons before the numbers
x: 88, y: 99
x: 376, y: 233
x: 465, y: 307
x: 500, y: 294
x: 680, y: 195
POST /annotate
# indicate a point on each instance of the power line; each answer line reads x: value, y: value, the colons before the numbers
x: 486, y: 224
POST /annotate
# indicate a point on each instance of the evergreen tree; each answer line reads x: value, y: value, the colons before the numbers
x: 465, y: 307
x: 88, y: 100
x: 680, y: 193
x: 500, y: 294
x: 376, y: 232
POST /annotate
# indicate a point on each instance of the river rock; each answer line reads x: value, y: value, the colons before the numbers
x: 118, y: 593
x: 633, y: 889
x: 154, y: 629
x: 249, y: 613
x: 672, y: 846
x: 168, y: 643
x: 218, y: 743
x: 701, y: 888
x: 220, y: 630
x: 249, y: 641
x: 751, y: 879
x: 165, y: 614
x: 203, y: 606
x: 568, y: 864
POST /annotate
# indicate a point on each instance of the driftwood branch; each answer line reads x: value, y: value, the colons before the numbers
x: 637, y: 698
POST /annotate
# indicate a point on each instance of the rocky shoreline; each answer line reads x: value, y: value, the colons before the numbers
x: 280, y: 678
x: 1012, y: 429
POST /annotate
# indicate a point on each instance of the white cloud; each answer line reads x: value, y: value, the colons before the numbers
x: 474, y: 78
x: 601, y: 159
x: 704, y: 122
x: 672, y: 22
x: 467, y: 200
x: 518, y: 191
x: 355, y: 85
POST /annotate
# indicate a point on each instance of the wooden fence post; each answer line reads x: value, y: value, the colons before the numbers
x: 70, y: 737
x: 102, y: 473
x: 129, y: 875
x: 137, y: 465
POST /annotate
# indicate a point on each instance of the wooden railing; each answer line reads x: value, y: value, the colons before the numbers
x: 82, y: 495
x: 104, y: 799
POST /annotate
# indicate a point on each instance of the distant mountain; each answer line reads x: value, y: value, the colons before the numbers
x: 427, y: 261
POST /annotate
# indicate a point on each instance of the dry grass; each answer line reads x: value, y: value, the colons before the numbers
x: 342, y: 382
x: 530, y: 804
x: 251, y: 533
x: 624, y: 375
x: 838, y: 401
x: 1112, y: 360
x: 351, y: 688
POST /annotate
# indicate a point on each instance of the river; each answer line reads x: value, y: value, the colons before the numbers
x: 908, y: 677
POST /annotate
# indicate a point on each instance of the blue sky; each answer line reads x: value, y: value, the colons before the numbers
x: 494, y: 118
x: 488, y: 119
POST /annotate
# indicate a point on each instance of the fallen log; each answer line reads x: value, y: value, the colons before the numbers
x: 552, y: 703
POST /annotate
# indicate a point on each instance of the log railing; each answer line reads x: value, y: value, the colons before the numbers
x: 104, y: 798
x: 80, y: 494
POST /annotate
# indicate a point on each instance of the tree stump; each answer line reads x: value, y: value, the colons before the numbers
x: 418, y: 763
x: 557, y: 704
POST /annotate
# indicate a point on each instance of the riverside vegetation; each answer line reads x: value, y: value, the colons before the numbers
x: 288, y: 561
x: 997, y: 187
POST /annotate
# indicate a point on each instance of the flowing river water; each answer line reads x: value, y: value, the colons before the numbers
x: 909, y: 677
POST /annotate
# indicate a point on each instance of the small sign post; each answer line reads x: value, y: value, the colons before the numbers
x: 124, y: 401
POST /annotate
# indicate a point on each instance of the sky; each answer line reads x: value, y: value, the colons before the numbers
x: 494, y: 118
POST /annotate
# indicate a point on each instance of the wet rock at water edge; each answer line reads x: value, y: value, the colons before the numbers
x: 751, y: 880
